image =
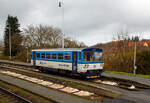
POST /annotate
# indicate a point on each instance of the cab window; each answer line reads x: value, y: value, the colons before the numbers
x: 93, y: 56
x: 98, y: 56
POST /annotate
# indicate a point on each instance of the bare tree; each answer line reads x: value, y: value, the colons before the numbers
x: 42, y: 37
x: 47, y: 37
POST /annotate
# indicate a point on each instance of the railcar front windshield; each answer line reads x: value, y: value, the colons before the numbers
x: 93, y: 56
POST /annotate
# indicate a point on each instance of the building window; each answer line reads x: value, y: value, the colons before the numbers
x: 60, y: 56
x: 48, y: 55
x: 38, y: 55
x: 54, y: 56
x: 67, y: 56
x: 43, y: 55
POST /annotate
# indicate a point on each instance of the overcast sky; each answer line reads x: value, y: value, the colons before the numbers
x: 89, y: 21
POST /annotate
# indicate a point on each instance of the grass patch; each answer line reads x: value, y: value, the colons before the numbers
x: 129, y: 74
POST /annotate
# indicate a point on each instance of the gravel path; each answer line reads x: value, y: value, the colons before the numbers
x: 131, y: 96
x: 141, y: 80
x: 13, y: 62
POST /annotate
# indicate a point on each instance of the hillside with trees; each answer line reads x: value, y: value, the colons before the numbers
x: 119, y: 54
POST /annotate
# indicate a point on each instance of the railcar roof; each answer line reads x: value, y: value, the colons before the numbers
x: 65, y: 49
x: 60, y: 49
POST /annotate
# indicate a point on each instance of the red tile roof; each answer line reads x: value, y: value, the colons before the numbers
x: 140, y: 43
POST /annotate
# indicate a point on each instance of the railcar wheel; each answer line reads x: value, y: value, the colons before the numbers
x: 41, y: 69
x: 68, y: 73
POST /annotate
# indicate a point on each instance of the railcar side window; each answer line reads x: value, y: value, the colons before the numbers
x: 43, y: 55
x: 88, y: 56
x: 60, y: 56
x: 67, y: 56
x: 38, y: 55
x: 48, y: 55
x: 79, y: 56
x: 54, y: 56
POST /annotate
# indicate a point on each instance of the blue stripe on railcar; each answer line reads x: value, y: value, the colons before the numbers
x: 57, y: 60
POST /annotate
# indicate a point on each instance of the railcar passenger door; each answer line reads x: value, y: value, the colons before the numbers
x: 34, y: 58
x: 74, y: 62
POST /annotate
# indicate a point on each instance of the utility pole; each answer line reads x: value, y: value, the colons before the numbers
x: 9, y: 42
x: 135, y: 67
x: 61, y: 4
x: 27, y: 54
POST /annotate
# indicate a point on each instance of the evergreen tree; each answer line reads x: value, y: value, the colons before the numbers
x: 12, y: 26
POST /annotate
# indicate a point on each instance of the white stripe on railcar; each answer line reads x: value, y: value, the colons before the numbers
x: 53, y: 64
x: 93, y: 66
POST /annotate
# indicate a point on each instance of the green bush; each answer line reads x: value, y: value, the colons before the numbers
x: 143, y: 62
x: 122, y: 61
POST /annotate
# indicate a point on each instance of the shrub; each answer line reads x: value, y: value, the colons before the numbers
x: 143, y: 62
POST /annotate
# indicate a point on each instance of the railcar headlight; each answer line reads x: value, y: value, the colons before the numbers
x: 103, y: 64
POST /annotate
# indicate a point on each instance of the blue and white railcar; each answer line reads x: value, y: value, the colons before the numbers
x: 87, y: 62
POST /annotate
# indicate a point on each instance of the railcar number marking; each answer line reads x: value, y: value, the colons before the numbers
x: 64, y: 65
x: 42, y: 62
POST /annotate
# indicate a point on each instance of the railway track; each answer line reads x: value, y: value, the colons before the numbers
x: 120, y: 83
x: 68, y: 83
x: 128, y: 88
x: 10, y: 97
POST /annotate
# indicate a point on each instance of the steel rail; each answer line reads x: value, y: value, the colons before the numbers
x: 15, y: 95
x: 121, y: 84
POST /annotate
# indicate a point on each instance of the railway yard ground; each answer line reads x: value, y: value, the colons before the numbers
x: 35, y: 86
